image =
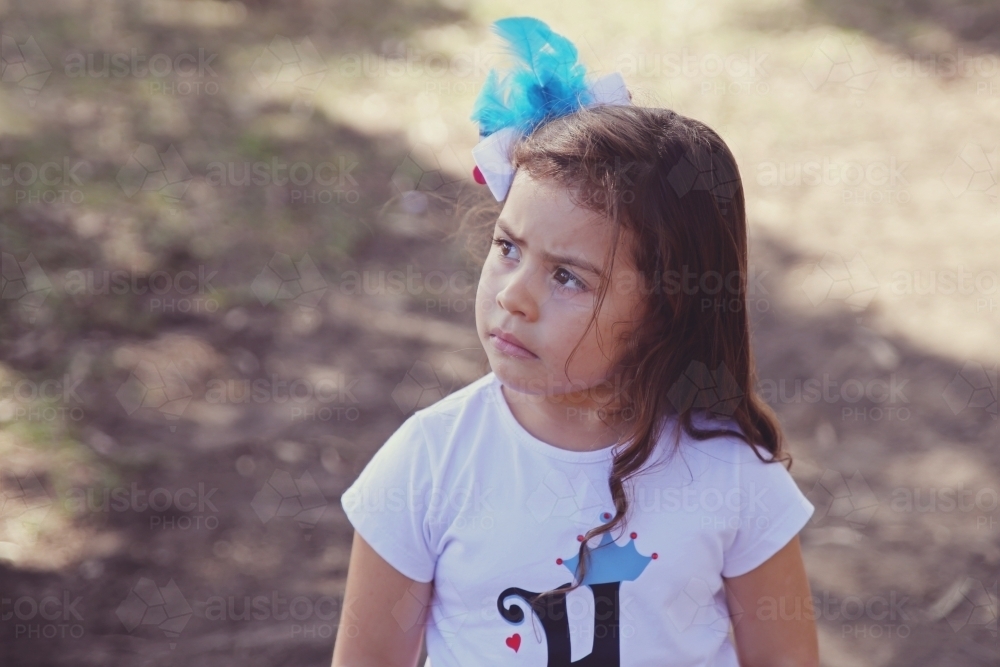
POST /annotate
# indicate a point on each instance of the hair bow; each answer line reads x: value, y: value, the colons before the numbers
x: 547, y: 81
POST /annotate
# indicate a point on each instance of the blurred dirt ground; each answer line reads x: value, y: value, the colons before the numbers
x: 202, y: 341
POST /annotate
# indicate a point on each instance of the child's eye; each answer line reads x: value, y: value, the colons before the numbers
x: 567, y: 279
x: 507, y: 249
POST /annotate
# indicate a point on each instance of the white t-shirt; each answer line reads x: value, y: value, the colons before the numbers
x: 463, y: 495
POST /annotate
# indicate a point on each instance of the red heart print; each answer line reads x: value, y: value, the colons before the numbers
x: 514, y: 642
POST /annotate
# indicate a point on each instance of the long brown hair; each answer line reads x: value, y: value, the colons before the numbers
x: 671, y: 187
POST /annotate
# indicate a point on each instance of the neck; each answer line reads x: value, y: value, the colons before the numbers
x: 567, y: 421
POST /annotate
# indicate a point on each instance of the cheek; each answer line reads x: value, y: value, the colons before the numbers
x: 614, y: 325
x: 568, y: 322
x: 577, y: 317
x: 613, y: 320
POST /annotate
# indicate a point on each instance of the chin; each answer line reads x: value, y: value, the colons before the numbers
x: 531, y: 384
x: 539, y: 384
x: 509, y: 376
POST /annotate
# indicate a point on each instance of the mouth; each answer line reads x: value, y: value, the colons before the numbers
x: 509, y: 345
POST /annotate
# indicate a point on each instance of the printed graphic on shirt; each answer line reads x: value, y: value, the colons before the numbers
x: 608, y: 566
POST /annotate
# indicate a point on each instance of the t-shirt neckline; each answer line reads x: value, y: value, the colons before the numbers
x: 540, y: 446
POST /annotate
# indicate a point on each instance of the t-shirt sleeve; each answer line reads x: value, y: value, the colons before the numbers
x: 772, y: 511
x: 385, y: 503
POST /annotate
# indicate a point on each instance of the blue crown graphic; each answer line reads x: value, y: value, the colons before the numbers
x: 608, y: 562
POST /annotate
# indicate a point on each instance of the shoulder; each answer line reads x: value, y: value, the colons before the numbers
x: 432, y: 438
x: 726, y: 455
x: 727, y: 466
x: 731, y: 447
x: 476, y: 394
x: 448, y: 414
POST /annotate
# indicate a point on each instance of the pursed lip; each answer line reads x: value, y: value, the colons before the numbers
x: 510, y: 344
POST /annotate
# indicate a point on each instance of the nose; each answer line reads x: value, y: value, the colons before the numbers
x: 516, y: 296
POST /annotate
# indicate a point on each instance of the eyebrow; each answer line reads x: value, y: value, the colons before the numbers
x: 549, y: 257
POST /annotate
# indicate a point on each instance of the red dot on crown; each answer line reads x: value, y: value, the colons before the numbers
x: 478, y: 175
x: 558, y: 561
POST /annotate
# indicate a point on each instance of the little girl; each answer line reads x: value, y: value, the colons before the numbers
x: 611, y: 493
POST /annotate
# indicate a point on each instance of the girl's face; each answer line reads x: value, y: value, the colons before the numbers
x: 538, y: 291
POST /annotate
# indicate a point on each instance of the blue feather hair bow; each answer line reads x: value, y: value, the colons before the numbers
x: 546, y: 82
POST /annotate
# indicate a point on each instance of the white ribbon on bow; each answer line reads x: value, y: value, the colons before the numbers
x: 491, y: 153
